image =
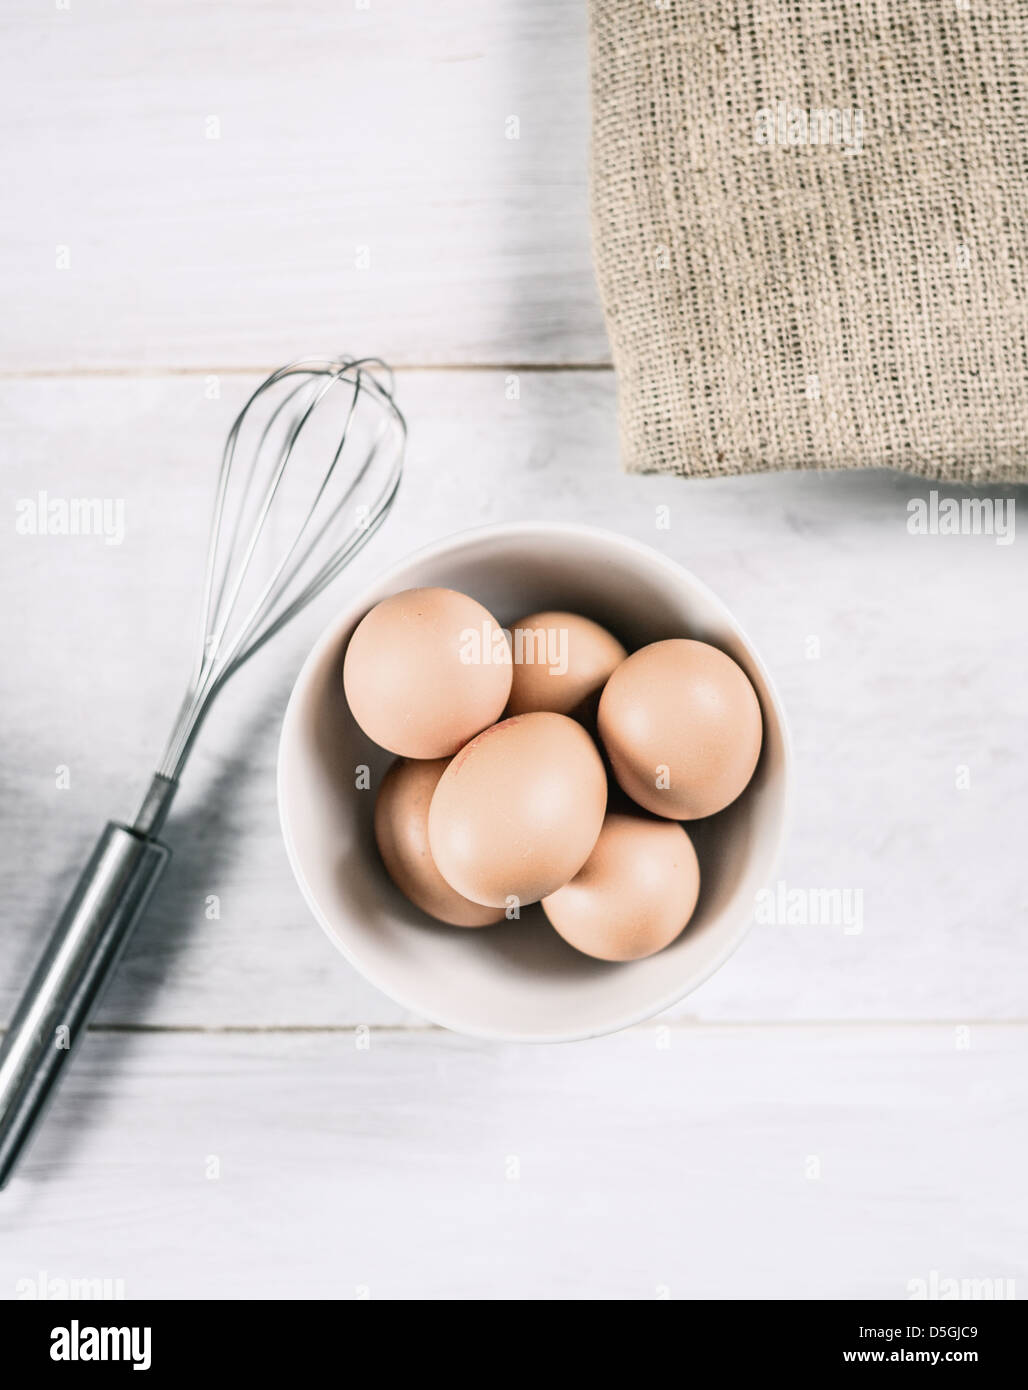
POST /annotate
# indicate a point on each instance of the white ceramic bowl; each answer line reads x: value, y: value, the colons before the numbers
x: 519, y: 980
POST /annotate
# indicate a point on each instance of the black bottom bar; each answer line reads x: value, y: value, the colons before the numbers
x: 169, y: 1340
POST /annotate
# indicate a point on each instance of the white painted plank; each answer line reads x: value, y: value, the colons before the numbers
x: 742, y: 1163
x: 922, y: 670
x: 362, y: 188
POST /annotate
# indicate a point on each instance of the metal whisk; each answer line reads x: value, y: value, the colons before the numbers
x: 309, y: 472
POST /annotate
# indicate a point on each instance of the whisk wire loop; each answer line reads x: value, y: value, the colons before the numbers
x: 360, y: 457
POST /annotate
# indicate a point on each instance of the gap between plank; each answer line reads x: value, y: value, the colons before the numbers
x: 122, y: 373
x: 680, y: 1024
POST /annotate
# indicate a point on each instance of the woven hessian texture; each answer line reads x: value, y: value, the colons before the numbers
x: 778, y: 298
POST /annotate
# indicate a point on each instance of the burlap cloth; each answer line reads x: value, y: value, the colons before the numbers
x: 774, y: 302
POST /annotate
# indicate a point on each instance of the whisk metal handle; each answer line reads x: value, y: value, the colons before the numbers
x: 71, y: 977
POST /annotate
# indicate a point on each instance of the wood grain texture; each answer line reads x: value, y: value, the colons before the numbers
x: 363, y: 189
x: 921, y: 670
x: 683, y: 1163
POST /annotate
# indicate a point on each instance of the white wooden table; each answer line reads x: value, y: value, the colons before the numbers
x: 198, y: 194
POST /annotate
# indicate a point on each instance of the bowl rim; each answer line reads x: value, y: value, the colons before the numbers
x: 735, y: 930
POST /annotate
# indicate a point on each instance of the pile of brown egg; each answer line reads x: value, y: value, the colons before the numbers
x: 500, y: 795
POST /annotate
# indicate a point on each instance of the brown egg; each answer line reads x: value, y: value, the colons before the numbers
x: 561, y: 663
x: 517, y: 812
x: 634, y: 894
x: 401, y: 832
x: 681, y: 725
x: 425, y: 671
